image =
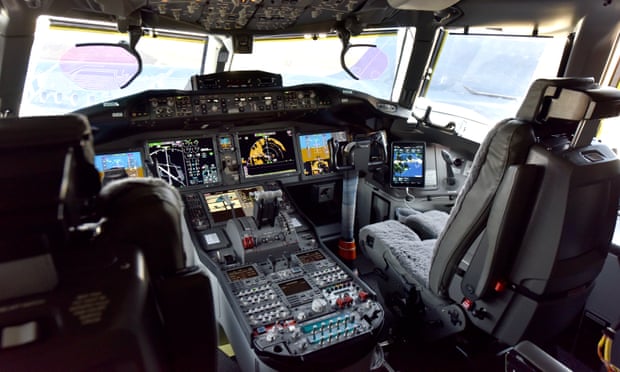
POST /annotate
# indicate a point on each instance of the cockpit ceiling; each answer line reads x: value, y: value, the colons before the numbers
x: 249, y: 16
x: 314, y: 16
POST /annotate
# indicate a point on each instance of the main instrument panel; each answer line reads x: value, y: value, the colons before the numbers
x: 226, y: 159
x: 288, y: 295
x: 286, y: 299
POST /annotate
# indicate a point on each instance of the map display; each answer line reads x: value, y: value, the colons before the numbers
x: 407, y: 164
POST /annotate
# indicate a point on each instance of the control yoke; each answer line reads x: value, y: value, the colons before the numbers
x: 363, y: 154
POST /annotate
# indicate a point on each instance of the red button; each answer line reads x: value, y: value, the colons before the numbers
x: 363, y: 296
x: 340, y: 302
x: 248, y: 242
x: 467, y: 303
x: 500, y: 286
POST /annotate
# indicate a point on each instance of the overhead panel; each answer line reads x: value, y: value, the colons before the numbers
x: 258, y: 15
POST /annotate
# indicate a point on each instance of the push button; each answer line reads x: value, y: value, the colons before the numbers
x: 19, y: 335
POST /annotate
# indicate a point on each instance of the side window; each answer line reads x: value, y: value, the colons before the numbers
x: 477, y: 80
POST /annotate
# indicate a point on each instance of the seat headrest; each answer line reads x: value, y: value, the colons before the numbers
x: 49, y: 178
x: 570, y: 100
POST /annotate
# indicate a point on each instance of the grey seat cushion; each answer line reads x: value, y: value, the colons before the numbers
x: 429, y: 224
x: 393, y: 244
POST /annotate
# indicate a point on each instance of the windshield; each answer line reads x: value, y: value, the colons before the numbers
x: 474, y: 81
x: 316, y: 59
x: 478, y: 80
x: 169, y: 61
x: 50, y: 90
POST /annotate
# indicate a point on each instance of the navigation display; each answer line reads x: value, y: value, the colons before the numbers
x: 315, y: 152
x: 267, y: 153
x: 185, y: 162
x: 130, y: 161
x: 407, y: 164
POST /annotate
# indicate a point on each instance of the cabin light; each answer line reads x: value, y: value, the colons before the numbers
x: 307, y: 36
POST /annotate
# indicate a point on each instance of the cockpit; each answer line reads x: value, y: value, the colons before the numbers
x: 300, y: 185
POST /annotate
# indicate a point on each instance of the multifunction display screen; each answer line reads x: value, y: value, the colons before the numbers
x: 315, y: 152
x: 185, y: 162
x: 225, y: 205
x: 294, y: 286
x: 267, y: 153
x: 242, y: 273
x: 130, y: 161
x: 312, y: 256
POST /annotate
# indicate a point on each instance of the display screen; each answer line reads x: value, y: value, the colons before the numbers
x: 407, y: 164
x: 315, y: 152
x: 294, y: 286
x: 185, y: 162
x: 226, y: 143
x: 225, y: 205
x: 267, y: 153
x: 312, y: 256
x: 242, y: 273
x: 130, y: 161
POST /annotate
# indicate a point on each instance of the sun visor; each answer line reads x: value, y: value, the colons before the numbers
x: 429, y: 5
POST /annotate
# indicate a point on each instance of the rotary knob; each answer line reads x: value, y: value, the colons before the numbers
x: 319, y: 305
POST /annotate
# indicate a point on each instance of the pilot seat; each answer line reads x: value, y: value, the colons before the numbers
x: 529, y: 231
x: 93, y: 279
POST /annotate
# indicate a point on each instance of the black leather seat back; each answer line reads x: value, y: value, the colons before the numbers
x: 48, y: 172
x: 118, y: 297
x: 47, y: 186
x: 506, y: 145
x: 550, y: 222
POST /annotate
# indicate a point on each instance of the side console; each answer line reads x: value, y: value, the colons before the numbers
x: 285, y: 301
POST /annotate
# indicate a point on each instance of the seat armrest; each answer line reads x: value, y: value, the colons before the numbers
x: 526, y: 356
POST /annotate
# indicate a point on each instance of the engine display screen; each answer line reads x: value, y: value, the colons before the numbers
x: 185, y: 162
x: 225, y: 205
x: 315, y: 152
x: 267, y: 153
x: 130, y: 161
x: 294, y: 286
x: 242, y: 273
